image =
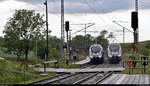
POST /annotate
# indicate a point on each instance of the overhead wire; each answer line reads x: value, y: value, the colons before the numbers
x: 57, y: 15
x: 95, y: 11
x: 106, y: 15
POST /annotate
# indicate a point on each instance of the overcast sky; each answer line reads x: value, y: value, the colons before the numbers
x: 100, y: 12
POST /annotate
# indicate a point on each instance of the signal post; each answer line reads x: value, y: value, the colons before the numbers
x: 68, y: 47
x: 134, y: 25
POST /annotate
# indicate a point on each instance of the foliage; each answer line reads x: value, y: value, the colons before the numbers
x: 111, y: 35
x: 103, y: 33
x: 101, y: 39
x: 147, y: 45
x: 84, y: 42
x: 53, y: 42
x: 14, y: 47
x: 55, y: 53
x: 8, y: 77
x: 24, y: 26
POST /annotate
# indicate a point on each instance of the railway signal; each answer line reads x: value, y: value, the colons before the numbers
x: 129, y: 63
x: 134, y: 19
x: 67, y: 29
x: 144, y: 62
x: 134, y: 25
x: 67, y: 26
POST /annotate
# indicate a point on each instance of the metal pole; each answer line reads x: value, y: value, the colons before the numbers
x: 69, y: 44
x: 137, y: 31
x: 45, y: 3
x: 36, y: 51
x: 85, y: 37
x: 144, y: 69
x: 47, y: 28
x: 136, y: 35
x: 123, y: 35
x: 62, y: 27
x: 24, y: 73
x: 136, y: 5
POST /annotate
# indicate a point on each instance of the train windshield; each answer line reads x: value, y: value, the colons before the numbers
x: 95, y: 49
x: 114, y: 48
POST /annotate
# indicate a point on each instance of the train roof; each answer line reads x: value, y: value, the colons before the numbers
x: 114, y: 44
x: 96, y: 45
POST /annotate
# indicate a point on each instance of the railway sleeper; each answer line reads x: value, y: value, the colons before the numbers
x: 104, y: 77
x: 84, y: 79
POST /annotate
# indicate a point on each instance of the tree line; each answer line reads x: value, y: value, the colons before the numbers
x: 25, y: 31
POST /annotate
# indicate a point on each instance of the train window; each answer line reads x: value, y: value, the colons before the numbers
x: 114, y: 48
x: 95, y: 49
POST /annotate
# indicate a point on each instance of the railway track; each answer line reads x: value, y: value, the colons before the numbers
x: 85, y: 78
x: 79, y: 78
x: 58, y: 77
x: 94, y: 79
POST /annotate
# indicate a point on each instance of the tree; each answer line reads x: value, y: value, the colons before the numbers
x: 111, y: 35
x: 78, y: 42
x: 1, y: 41
x: 55, y: 53
x: 53, y: 42
x: 101, y: 39
x: 24, y: 26
x: 88, y: 42
x: 103, y: 33
x: 82, y: 42
x: 14, y: 47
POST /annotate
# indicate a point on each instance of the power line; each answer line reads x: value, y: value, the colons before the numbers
x: 97, y: 13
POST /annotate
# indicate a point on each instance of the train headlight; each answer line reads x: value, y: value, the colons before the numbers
x: 91, y: 56
x: 100, y: 56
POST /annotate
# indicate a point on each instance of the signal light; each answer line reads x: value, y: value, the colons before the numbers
x: 134, y: 20
x: 67, y: 26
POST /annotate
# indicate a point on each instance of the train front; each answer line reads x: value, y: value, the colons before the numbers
x: 96, y: 53
x: 114, y: 53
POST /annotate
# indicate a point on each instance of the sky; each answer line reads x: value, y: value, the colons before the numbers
x: 100, y: 12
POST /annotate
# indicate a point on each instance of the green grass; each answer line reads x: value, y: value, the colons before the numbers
x: 36, y: 79
x: 7, y: 77
x: 81, y: 57
x: 71, y: 63
x: 138, y: 65
x: 137, y: 71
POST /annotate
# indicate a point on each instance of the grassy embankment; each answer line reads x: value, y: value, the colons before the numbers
x: 10, y: 63
x: 143, y: 51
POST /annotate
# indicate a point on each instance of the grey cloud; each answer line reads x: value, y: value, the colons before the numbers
x: 3, y: 0
x: 91, y: 6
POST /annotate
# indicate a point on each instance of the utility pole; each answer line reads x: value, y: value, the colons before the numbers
x: 45, y: 3
x: 70, y: 43
x: 136, y: 5
x: 62, y: 27
x: 134, y: 25
x: 123, y: 30
x: 36, y: 52
x: 137, y: 31
x: 123, y: 35
x: 85, y: 37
